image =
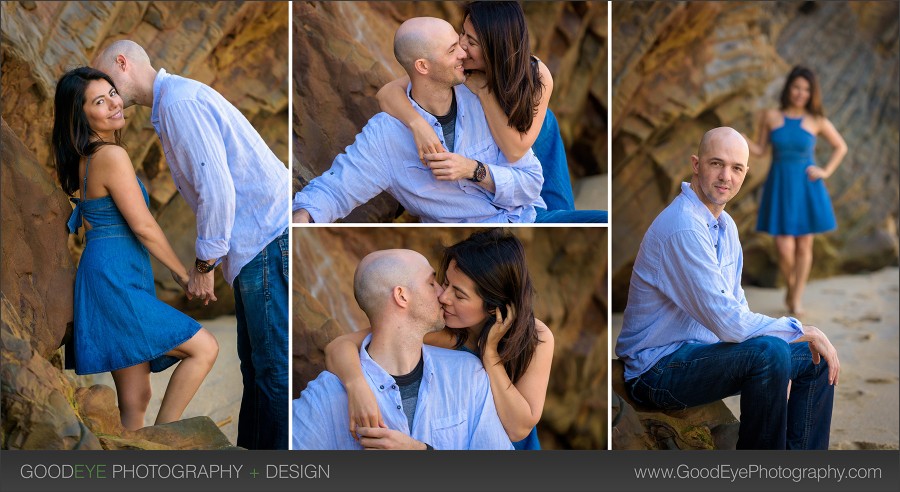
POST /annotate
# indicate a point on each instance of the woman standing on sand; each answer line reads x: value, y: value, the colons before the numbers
x: 795, y: 203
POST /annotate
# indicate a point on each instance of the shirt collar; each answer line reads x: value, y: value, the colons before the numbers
x: 157, y: 89
x: 379, y: 377
x: 701, y: 209
x: 460, y: 107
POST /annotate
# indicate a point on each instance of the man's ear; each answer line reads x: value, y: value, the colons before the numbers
x: 421, y: 66
x: 122, y: 63
x: 400, y: 296
x: 695, y: 164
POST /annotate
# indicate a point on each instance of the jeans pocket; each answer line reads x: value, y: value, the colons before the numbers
x: 283, y: 246
x: 664, y: 399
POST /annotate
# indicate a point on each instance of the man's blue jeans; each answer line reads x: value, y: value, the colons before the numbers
x: 759, y: 369
x: 261, y: 305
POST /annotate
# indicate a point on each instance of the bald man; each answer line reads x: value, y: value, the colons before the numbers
x: 473, y: 182
x: 429, y: 397
x: 237, y: 188
x: 688, y: 336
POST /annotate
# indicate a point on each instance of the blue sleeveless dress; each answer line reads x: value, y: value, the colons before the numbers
x: 119, y: 322
x: 530, y: 442
x: 791, y: 204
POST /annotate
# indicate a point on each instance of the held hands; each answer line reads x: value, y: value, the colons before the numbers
x: 201, y: 285
x: 815, y: 173
x: 364, y: 412
x: 182, y: 281
x: 427, y: 141
x: 380, y: 438
x: 447, y: 166
x: 822, y: 348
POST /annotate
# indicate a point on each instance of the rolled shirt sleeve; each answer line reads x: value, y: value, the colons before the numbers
x: 517, y: 184
x: 355, y: 177
x: 201, y: 159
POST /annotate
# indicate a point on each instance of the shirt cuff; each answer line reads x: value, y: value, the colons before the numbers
x: 317, y: 215
x: 502, y: 177
x: 211, y: 248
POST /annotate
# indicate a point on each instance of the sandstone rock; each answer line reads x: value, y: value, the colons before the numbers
x: 680, y: 69
x: 187, y: 434
x: 568, y: 268
x: 36, y: 403
x: 99, y: 409
x: 710, y: 426
x: 37, y: 271
x: 343, y: 54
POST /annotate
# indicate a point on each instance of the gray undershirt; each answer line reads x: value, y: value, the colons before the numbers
x: 409, y: 391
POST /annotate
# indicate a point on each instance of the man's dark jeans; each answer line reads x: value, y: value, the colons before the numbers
x: 759, y: 369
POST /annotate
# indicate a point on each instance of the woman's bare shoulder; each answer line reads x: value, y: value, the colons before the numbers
x: 543, y: 331
x: 111, y: 156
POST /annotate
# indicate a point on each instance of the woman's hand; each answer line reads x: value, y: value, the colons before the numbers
x: 426, y: 139
x: 476, y: 81
x: 500, y: 327
x: 181, y: 280
x: 815, y: 172
x: 363, y: 407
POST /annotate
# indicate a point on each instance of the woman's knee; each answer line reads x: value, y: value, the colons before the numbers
x: 135, y: 397
x: 207, y: 347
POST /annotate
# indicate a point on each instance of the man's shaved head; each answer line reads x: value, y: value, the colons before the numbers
x: 106, y: 59
x: 378, y: 273
x: 415, y: 39
x: 725, y: 136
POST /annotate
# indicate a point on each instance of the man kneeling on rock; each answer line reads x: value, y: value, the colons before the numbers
x: 431, y: 398
x: 688, y: 336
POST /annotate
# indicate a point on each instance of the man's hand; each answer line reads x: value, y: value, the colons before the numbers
x: 202, y: 285
x: 447, y: 166
x: 822, y: 348
x: 378, y: 438
x: 301, y: 216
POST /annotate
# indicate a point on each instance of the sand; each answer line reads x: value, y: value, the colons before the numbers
x: 219, y: 397
x: 859, y: 314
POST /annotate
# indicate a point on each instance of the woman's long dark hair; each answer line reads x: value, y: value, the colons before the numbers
x: 814, y: 105
x: 72, y: 136
x: 495, y: 261
x: 511, y: 76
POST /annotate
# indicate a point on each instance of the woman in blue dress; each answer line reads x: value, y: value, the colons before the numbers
x: 120, y: 325
x: 795, y: 203
x: 514, y: 88
x: 487, y: 302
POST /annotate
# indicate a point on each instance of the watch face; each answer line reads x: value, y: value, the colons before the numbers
x: 480, y: 172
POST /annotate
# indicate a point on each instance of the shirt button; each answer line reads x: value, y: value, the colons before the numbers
x: 723, y: 291
x: 381, y: 387
x: 715, y: 227
x: 393, y: 386
x: 399, y: 407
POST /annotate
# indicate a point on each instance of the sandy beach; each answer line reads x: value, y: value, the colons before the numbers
x: 220, y: 395
x: 859, y: 313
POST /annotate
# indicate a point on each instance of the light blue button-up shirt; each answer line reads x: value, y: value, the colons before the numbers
x: 226, y: 173
x: 384, y: 158
x: 686, y: 288
x: 455, y: 409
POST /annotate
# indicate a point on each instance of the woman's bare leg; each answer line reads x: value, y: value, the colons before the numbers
x: 133, y: 391
x: 802, y: 265
x: 786, y: 246
x: 198, y: 356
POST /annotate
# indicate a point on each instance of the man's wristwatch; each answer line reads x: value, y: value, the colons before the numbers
x: 480, y: 172
x: 202, y: 266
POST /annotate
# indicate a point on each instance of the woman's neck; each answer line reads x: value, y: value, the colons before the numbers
x: 795, y: 112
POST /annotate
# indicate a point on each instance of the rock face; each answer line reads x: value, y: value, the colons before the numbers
x: 681, y: 68
x: 568, y: 268
x: 343, y: 54
x: 238, y: 48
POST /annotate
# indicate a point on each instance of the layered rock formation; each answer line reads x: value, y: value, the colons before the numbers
x: 238, y: 48
x: 343, y: 54
x: 681, y: 68
x: 568, y: 267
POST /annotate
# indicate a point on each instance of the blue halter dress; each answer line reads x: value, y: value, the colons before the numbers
x: 791, y: 204
x: 119, y: 321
